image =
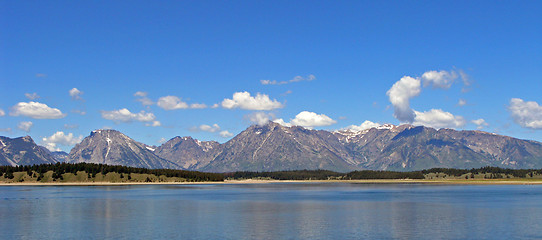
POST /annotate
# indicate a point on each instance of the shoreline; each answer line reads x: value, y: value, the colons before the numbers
x: 257, y: 181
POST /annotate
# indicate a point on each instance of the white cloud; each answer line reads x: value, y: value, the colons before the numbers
x: 174, y: 102
x: 365, y: 125
x: 124, y: 115
x: 154, y: 124
x: 36, y: 110
x: 198, y: 105
x: 142, y: 97
x: 2, y: 113
x: 171, y: 103
x: 60, y: 138
x: 206, y: 128
x: 436, y: 118
x: 216, y: 105
x: 225, y: 134
x: 308, y: 120
x: 245, y: 101
x: 408, y: 87
x: 75, y: 94
x: 140, y: 94
x: 400, y: 94
x: 480, y: 123
x: 32, y: 96
x: 295, y: 79
x: 462, y: 102
x: 162, y: 140
x: 260, y: 118
x: 439, y: 79
x: 526, y: 114
x: 282, y: 122
x: 25, y: 126
x: 8, y: 130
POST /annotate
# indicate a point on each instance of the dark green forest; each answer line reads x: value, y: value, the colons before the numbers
x: 92, y: 169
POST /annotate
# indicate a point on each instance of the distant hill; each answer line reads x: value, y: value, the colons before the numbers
x: 273, y: 147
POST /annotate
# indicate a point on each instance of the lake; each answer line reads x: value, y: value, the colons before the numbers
x: 272, y: 211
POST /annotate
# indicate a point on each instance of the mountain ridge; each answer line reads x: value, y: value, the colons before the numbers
x: 274, y: 147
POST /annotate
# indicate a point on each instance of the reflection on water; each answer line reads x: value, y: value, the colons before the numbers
x: 271, y: 211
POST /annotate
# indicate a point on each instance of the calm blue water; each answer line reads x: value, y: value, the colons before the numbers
x: 272, y: 211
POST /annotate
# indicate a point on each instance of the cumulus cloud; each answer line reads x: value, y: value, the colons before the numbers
x: 32, y: 96
x: 439, y: 79
x: 480, y: 123
x: 206, y: 128
x: 400, y: 94
x: 408, y: 87
x: 143, y: 99
x: 260, y: 118
x: 308, y: 120
x: 25, y: 126
x: 295, y: 79
x: 225, y: 134
x: 245, y: 101
x: 2, y: 113
x: 124, y: 115
x: 365, y: 125
x: 436, y: 118
x: 75, y: 94
x: 36, y: 110
x: 311, y: 119
x: 60, y: 138
x: 282, y: 122
x: 526, y: 114
x: 174, y: 102
x: 171, y: 103
x: 198, y: 105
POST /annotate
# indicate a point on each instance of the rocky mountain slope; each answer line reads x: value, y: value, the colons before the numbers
x: 408, y: 147
x: 187, y: 152
x: 114, y: 148
x: 23, y: 151
x: 274, y: 147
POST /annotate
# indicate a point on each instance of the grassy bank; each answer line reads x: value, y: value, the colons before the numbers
x: 98, y: 173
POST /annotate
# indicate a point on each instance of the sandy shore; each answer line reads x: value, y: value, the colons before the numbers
x: 255, y: 181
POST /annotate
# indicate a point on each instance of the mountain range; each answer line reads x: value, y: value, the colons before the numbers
x: 274, y: 147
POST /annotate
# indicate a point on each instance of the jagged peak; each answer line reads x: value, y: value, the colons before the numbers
x: 26, y: 139
x: 105, y: 131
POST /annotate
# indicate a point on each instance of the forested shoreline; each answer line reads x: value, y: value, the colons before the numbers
x: 90, y: 172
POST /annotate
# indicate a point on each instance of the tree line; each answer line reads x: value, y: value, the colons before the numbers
x: 92, y: 169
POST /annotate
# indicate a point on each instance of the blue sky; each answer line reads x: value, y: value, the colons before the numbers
x: 334, y: 64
